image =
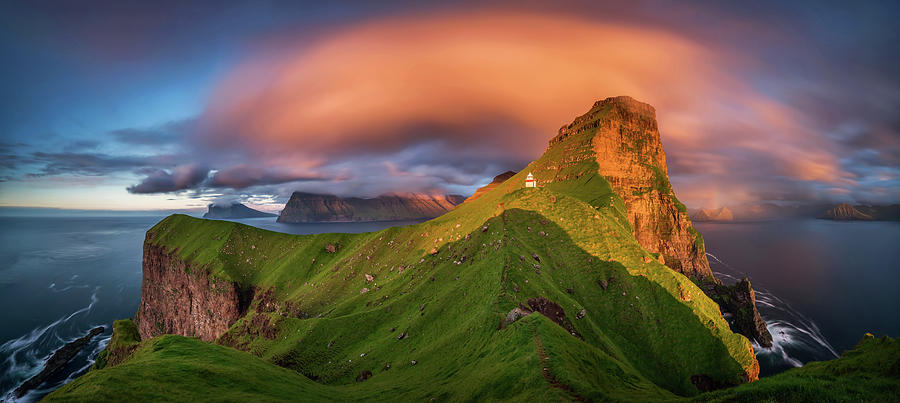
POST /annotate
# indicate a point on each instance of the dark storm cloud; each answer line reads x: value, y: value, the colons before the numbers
x: 180, y: 178
x: 243, y: 176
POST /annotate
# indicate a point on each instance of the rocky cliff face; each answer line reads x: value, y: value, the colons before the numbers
x: 738, y: 301
x: 846, y: 212
x: 308, y: 207
x: 179, y: 299
x: 628, y: 152
x: 630, y: 156
x: 490, y: 186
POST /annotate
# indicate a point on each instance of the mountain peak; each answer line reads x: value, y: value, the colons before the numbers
x: 619, y: 138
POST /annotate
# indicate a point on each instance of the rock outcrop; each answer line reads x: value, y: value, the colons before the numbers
x: 179, y: 299
x: 739, y: 301
x: 719, y: 214
x: 629, y: 154
x: 309, y: 207
x: 56, y: 361
x: 490, y: 186
x: 234, y: 210
x: 626, y: 147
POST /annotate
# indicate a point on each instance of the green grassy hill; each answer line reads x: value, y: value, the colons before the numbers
x: 185, y: 369
x: 427, y: 311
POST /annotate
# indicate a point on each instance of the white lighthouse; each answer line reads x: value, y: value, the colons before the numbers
x: 529, y: 181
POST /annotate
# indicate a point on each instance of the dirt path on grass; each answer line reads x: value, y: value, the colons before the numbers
x: 555, y: 383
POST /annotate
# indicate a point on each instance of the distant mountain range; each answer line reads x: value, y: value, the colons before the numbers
x: 847, y: 212
x: 234, y: 210
x: 309, y: 207
x: 720, y: 214
x: 771, y: 211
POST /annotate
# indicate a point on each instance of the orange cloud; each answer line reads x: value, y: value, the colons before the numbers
x: 504, y: 83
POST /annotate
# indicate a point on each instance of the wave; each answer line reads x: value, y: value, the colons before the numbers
x: 25, y: 355
x: 796, y: 339
x: 71, y: 253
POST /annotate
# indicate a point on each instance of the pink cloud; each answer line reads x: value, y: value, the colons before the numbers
x: 500, y: 84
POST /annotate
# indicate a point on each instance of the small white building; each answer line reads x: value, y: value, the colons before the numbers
x: 529, y: 181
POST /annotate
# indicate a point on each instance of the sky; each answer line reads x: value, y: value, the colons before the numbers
x: 173, y: 105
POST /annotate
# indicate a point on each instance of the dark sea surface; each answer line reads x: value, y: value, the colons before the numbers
x: 822, y: 283
x: 63, y: 273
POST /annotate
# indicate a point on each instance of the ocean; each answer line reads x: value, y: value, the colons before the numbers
x: 820, y: 284
x: 61, y: 274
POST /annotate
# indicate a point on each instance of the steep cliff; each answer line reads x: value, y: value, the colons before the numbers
x: 179, y: 298
x: 629, y: 155
x: 490, y: 186
x: 619, y: 139
x: 308, y: 207
x: 738, y: 302
x: 234, y: 210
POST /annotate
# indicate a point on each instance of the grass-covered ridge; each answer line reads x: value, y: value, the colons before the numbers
x: 634, y: 328
x: 178, y: 368
x: 420, y: 312
x: 870, y: 372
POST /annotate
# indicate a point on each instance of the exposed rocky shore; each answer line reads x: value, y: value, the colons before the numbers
x: 59, y: 359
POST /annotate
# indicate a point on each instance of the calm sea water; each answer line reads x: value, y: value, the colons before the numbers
x: 61, y: 275
x: 820, y: 284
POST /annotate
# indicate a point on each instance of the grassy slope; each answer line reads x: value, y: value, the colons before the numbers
x: 175, y: 368
x: 641, y: 338
x: 870, y: 372
x: 184, y: 369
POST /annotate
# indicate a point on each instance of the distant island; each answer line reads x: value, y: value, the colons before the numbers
x: 847, y: 212
x: 310, y: 207
x: 720, y: 214
x: 818, y: 209
x: 234, y: 210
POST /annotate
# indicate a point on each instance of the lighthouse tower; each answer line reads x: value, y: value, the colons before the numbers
x: 529, y: 181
